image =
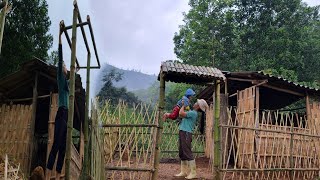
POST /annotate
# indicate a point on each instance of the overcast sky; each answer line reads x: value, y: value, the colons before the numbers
x: 129, y: 34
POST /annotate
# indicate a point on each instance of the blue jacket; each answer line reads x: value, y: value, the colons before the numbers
x: 63, y: 84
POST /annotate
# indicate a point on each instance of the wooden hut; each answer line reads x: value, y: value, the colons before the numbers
x: 258, y: 126
x: 28, y: 105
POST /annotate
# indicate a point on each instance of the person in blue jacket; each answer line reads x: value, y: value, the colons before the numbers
x: 60, y: 128
x: 175, y: 111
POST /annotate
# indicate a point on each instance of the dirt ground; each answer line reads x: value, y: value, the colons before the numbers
x: 169, y: 167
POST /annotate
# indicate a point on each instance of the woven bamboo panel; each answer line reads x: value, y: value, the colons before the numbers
x: 15, y: 133
x: 246, y: 118
x: 129, y: 147
x: 284, y: 147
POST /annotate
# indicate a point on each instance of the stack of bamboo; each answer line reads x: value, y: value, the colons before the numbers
x: 9, y: 170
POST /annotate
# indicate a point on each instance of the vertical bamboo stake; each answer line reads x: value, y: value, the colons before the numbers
x: 71, y: 95
x: 291, y: 150
x: 86, y: 124
x: 217, y: 149
x: 160, y: 128
x: 2, y: 21
x: 33, y: 119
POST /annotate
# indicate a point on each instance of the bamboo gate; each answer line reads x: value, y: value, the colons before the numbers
x: 129, y: 140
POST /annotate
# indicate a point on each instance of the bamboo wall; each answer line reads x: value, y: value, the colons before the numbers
x: 280, y: 146
x: 15, y: 134
x: 76, y: 163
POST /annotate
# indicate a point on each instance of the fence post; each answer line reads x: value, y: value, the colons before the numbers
x: 160, y: 128
x: 71, y: 95
x: 86, y: 124
x: 217, y: 148
x: 291, y: 151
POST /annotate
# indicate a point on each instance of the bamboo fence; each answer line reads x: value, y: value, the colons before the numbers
x: 15, y: 122
x: 279, y: 146
x: 97, y: 152
x: 129, y: 141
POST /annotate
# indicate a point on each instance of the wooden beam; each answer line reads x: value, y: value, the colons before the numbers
x: 26, y: 99
x: 257, y: 85
x: 308, y: 109
x: 217, y: 139
x: 283, y: 90
x: 71, y: 96
x: 33, y: 118
x: 86, y: 121
x: 160, y: 128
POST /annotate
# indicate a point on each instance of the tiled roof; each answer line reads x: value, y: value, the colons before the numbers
x: 178, y: 72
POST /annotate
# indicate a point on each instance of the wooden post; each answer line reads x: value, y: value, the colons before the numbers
x: 86, y: 123
x: 217, y: 148
x: 308, y: 107
x: 33, y: 119
x: 71, y: 95
x: 2, y: 21
x: 160, y: 128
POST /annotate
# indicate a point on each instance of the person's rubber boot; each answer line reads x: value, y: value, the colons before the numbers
x: 193, y: 171
x: 184, y: 169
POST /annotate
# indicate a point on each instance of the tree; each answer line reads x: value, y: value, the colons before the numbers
x: 280, y: 37
x: 25, y: 34
x: 53, y: 58
x: 114, y: 94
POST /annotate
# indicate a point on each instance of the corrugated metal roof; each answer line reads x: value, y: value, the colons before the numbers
x: 178, y: 72
x: 286, y: 80
x: 276, y: 80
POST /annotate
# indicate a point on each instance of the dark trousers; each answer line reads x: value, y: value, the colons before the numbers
x: 185, y: 139
x: 59, y: 142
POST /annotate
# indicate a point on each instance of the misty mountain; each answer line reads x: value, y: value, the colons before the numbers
x: 131, y: 79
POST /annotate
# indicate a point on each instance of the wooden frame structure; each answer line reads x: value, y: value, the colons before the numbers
x: 183, y: 73
x: 77, y: 22
x: 28, y: 106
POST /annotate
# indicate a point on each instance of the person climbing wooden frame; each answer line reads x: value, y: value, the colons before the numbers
x: 60, y: 128
x: 175, y: 111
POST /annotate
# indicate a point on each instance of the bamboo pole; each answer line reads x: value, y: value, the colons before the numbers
x: 217, y: 149
x: 128, y: 169
x: 86, y: 121
x: 160, y: 128
x: 33, y: 119
x: 129, y: 125
x: 71, y: 95
x: 291, y: 151
x: 271, y: 130
x: 2, y: 21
